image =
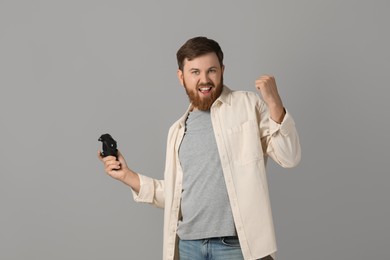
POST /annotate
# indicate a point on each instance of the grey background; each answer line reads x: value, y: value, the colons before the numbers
x: 72, y: 70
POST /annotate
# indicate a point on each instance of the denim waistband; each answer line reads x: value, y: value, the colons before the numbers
x: 213, y: 238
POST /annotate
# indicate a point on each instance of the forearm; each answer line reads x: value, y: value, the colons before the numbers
x: 132, y: 179
x: 277, y: 112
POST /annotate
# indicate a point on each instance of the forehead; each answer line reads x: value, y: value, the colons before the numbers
x: 204, y: 61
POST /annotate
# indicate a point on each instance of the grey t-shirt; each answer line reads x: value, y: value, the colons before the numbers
x: 205, y: 204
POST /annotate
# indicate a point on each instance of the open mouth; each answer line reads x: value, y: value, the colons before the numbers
x: 205, y: 90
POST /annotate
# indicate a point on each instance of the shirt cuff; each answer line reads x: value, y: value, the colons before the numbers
x: 146, y: 192
x: 284, y: 127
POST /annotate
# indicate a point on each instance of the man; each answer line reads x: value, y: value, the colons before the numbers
x: 215, y: 192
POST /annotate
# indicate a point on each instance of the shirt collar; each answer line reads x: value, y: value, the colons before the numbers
x: 224, y: 98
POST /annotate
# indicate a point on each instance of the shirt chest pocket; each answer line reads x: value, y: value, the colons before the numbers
x: 244, y: 143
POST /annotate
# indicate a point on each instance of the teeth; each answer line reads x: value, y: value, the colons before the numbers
x: 204, y: 89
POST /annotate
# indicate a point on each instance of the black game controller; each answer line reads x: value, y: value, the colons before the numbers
x: 109, y: 146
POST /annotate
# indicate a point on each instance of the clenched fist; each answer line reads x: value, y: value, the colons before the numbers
x: 266, y: 85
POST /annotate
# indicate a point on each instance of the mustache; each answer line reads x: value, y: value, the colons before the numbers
x: 207, y: 84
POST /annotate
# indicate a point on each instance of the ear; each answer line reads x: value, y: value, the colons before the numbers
x: 180, y: 76
x: 223, y: 69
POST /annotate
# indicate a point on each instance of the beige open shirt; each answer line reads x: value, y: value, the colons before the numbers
x: 245, y: 137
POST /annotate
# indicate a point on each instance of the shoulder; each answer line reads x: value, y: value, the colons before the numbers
x: 244, y: 94
x: 246, y: 97
x: 179, y: 123
x: 174, y: 126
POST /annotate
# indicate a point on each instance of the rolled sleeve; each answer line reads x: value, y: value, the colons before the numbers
x: 151, y: 191
x: 285, y: 128
x: 283, y: 146
x: 146, y: 192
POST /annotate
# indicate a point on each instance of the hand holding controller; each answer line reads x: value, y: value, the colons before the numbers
x: 117, y: 168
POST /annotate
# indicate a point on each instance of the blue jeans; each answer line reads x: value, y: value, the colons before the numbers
x: 219, y: 248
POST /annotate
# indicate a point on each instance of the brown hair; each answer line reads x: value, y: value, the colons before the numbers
x: 196, y: 47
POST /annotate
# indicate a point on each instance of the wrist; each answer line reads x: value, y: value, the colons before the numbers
x: 128, y: 176
x: 277, y: 114
x: 132, y: 179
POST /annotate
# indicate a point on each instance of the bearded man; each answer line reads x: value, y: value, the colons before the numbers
x: 215, y: 191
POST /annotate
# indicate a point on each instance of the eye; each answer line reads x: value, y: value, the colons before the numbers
x: 212, y: 71
x: 195, y: 72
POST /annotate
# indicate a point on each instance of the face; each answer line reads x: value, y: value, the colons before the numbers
x: 202, y: 79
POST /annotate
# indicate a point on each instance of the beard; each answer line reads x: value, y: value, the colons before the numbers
x: 206, y: 102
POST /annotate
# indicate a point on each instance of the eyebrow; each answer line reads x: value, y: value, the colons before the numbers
x: 213, y: 67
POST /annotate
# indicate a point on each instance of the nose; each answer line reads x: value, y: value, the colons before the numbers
x: 204, y: 77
